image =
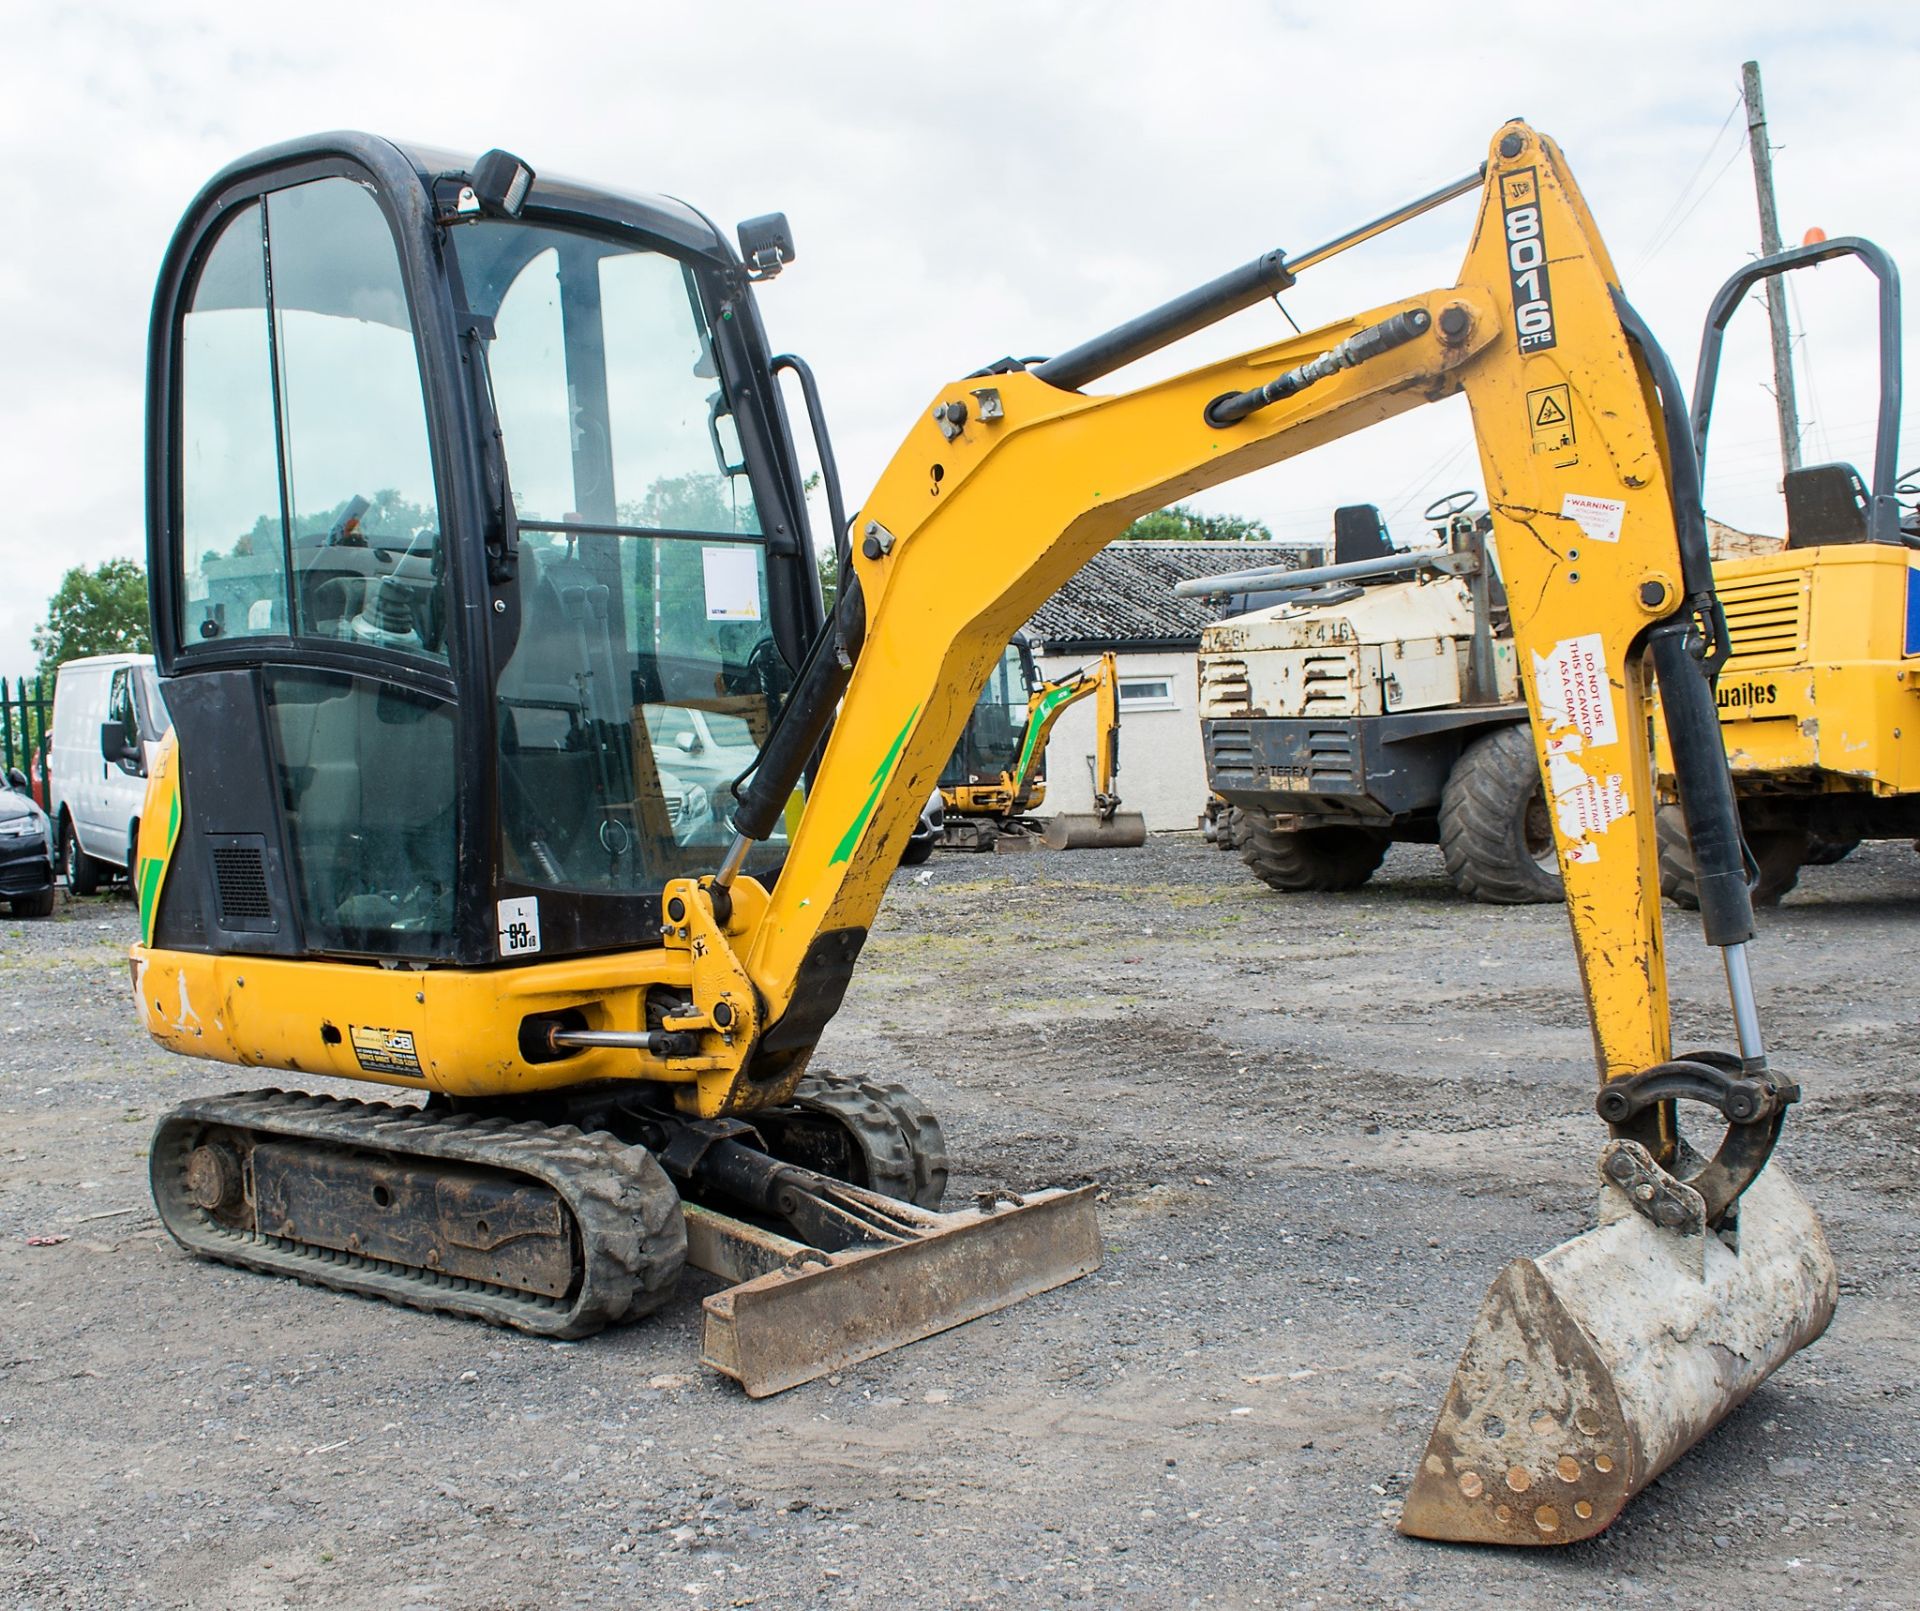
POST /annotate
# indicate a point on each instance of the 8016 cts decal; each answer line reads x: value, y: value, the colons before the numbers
x: 1527, y: 260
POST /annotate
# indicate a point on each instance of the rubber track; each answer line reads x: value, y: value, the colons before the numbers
x: 626, y: 1213
x: 1481, y: 838
x: 1300, y: 861
x: 902, y: 1142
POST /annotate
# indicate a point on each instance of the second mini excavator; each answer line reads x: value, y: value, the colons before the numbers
x: 423, y: 824
x: 996, y: 776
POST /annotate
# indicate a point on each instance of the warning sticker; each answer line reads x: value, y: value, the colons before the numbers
x: 1598, y: 518
x: 1550, y: 419
x: 1575, y: 695
x: 1584, y: 805
x: 387, y: 1051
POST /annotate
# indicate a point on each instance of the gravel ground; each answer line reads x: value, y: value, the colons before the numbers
x: 1321, y: 1125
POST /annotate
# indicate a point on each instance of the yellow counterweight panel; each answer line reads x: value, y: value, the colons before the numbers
x: 439, y: 1029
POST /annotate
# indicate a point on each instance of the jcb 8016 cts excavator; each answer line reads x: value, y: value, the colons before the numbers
x: 466, y: 486
x: 996, y: 775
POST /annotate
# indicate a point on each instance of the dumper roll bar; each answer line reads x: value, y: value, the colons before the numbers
x: 1883, y: 514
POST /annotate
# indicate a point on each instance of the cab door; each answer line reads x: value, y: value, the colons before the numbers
x: 305, y: 629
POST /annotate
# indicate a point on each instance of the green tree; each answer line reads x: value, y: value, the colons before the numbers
x: 829, y: 568
x: 98, y: 611
x: 1183, y: 525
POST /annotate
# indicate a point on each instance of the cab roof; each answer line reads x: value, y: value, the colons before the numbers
x: 554, y: 199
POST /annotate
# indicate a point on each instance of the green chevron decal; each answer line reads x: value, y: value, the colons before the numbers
x: 844, y: 850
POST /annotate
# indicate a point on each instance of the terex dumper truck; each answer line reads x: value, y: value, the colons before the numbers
x: 1376, y: 700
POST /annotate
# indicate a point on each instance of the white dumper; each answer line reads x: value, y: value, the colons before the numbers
x: 1373, y: 700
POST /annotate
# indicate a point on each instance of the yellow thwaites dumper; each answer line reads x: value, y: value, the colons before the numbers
x: 996, y: 775
x: 1820, y: 698
x: 467, y: 490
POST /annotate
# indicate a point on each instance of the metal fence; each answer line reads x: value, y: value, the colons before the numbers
x: 26, y: 730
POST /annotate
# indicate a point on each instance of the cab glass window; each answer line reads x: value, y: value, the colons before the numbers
x: 366, y: 774
x: 645, y: 675
x: 233, y: 547
x: 359, y: 476
x: 308, y: 503
x: 989, y: 747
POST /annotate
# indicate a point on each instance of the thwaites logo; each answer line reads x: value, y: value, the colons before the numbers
x: 1527, y: 260
x: 1746, y: 695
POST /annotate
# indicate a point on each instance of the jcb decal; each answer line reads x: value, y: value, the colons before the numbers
x: 1527, y: 261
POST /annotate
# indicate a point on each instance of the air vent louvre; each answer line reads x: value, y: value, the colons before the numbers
x: 240, y: 878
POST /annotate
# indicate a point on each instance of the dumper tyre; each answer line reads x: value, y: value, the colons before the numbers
x: 1823, y: 850
x: 1780, y: 854
x: 1496, y: 834
x: 1309, y: 860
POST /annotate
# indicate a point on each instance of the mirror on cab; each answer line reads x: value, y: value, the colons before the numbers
x: 16, y: 779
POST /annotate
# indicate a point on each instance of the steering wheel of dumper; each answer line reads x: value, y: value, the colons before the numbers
x: 1449, y: 506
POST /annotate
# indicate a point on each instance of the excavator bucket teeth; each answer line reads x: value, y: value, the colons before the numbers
x: 1088, y: 830
x: 815, y: 1312
x: 1592, y: 1369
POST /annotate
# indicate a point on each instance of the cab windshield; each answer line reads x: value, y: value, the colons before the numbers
x: 645, y: 675
x: 989, y: 748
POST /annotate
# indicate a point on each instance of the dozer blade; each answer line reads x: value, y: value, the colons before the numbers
x: 1591, y: 1370
x: 800, y: 1313
x: 1088, y: 830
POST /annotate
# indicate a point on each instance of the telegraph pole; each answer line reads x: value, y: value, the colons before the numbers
x: 1769, y: 244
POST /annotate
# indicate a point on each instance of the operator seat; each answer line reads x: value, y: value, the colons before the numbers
x: 1359, y: 533
x: 1826, y: 503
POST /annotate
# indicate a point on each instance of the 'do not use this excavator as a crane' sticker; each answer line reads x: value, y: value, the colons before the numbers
x: 469, y: 490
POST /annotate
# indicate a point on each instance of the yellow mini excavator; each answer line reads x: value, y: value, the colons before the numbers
x: 996, y: 775
x: 469, y: 492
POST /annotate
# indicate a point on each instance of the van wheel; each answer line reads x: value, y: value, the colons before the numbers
x: 40, y: 905
x: 1495, y: 832
x: 84, y: 874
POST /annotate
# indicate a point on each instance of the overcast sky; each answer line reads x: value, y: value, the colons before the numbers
x: 968, y: 181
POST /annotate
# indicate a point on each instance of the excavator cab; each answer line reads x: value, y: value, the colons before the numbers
x: 988, y: 753
x: 439, y: 709
x: 480, y: 576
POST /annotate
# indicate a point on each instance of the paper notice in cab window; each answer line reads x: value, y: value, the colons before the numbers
x: 733, y: 583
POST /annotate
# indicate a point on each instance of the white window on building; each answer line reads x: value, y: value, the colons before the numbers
x: 1147, y: 693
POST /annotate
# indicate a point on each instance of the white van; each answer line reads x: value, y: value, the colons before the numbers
x: 108, y: 720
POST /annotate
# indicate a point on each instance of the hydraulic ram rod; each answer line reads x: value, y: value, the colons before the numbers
x: 1208, y: 304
